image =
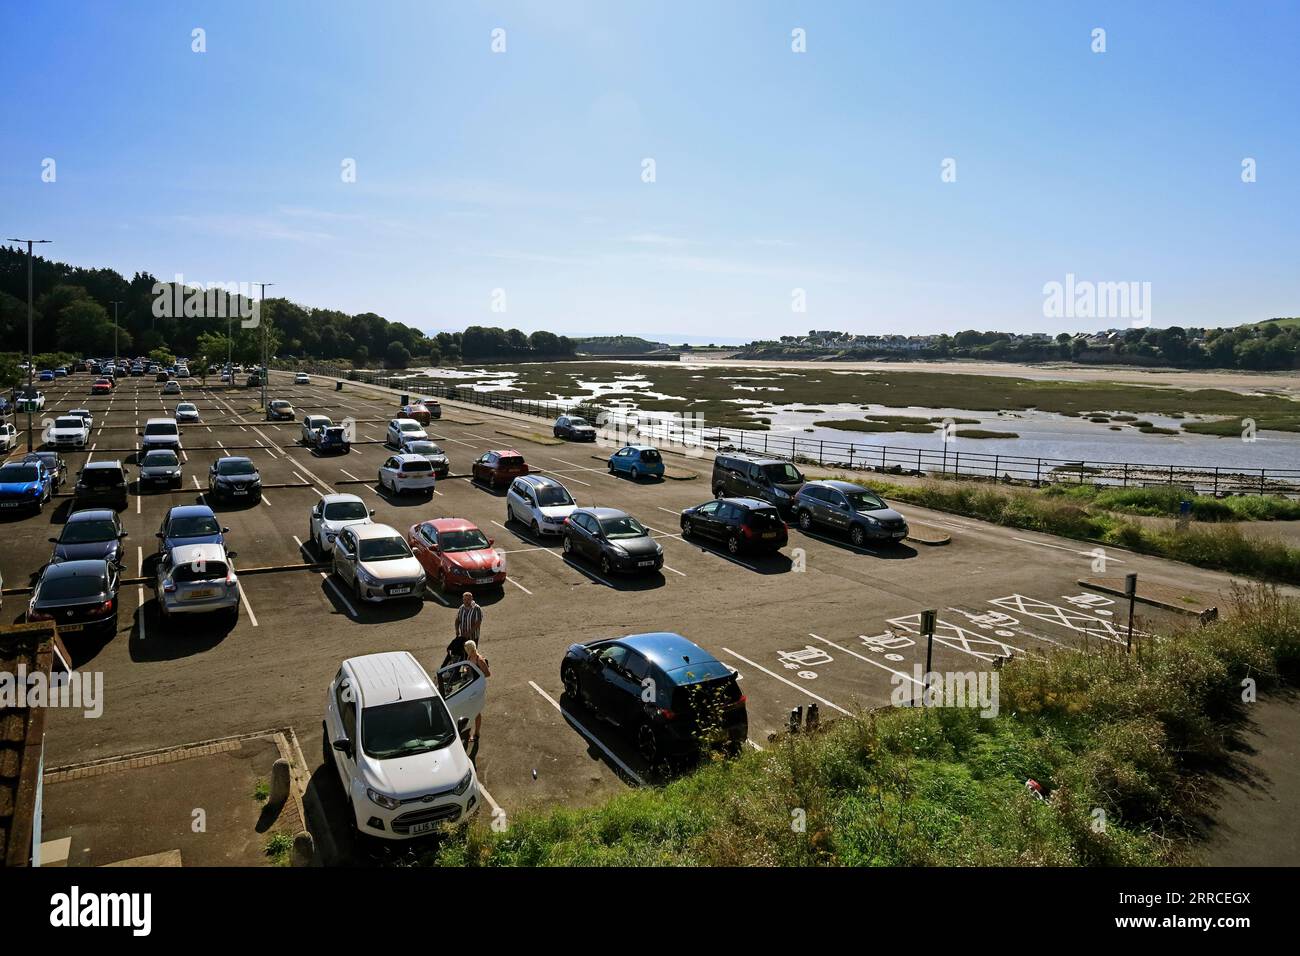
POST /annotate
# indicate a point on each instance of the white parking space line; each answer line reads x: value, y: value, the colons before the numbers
x: 1044, y: 544
x: 802, y: 690
x: 518, y: 585
x: 350, y: 475
x: 243, y: 600
x: 305, y: 482
x: 429, y: 590
x: 663, y: 534
x: 265, y: 500
x: 673, y: 570
x: 868, y: 660
x: 591, y: 738
x: 564, y: 475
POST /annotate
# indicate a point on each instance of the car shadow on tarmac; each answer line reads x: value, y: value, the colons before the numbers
x: 775, y: 562
x: 153, y: 639
x: 612, y: 746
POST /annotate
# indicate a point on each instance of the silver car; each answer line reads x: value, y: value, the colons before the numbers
x: 197, y: 579
x: 375, y: 561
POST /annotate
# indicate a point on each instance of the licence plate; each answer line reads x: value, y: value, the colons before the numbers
x: 900, y: 534
x: 645, y: 564
x: 9, y: 504
x: 399, y: 590
x: 68, y: 628
x: 201, y: 593
x: 769, y: 534
x: 423, y: 827
x: 241, y: 491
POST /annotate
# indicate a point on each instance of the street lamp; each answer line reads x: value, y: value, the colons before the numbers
x: 262, y: 321
x: 31, y: 362
x: 115, y: 304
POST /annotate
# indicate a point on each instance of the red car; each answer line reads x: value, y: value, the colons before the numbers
x: 418, y: 411
x: 456, y: 554
x: 499, y: 468
x: 102, y: 387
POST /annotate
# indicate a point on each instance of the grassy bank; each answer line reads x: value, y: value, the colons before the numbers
x: 1131, y: 736
x: 1165, y: 502
x: 1222, y: 548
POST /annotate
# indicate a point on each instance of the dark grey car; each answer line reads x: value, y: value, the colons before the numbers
x: 846, y: 507
x: 92, y: 533
x: 102, y: 483
x: 612, y: 539
x: 235, y: 478
x: 773, y: 480
x: 160, y: 467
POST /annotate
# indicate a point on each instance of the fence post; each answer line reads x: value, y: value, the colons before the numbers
x: 956, y: 463
x: 850, y: 456
x: 918, y: 461
x: 1261, y: 481
x: 883, y: 449
x: 1038, y: 472
x: 995, y: 467
x: 1171, y: 474
x: 1216, y: 481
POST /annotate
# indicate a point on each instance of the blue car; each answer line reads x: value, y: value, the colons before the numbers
x: 60, y: 373
x: 190, y: 524
x: 637, y: 461
x: 45, y: 375
x: 25, y: 484
x: 333, y: 439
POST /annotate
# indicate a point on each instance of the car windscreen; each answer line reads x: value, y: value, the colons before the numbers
x: 622, y: 527
x: 864, y: 501
x: 467, y: 540
x: 405, y: 728
x: 17, y: 473
x: 70, y: 421
x: 192, y: 526
x: 86, y: 532
x: 579, y: 423
x: 160, y: 428
x: 411, y: 427
x: 384, y: 549
x: 551, y: 495
x: 346, y: 511
x: 782, y: 474
x: 102, y: 477
x: 70, y: 588
x: 199, y: 571
x: 235, y: 466
x: 160, y: 459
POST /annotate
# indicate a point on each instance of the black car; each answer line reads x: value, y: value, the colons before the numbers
x: 161, y: 376
x: 101, y: 482
x: 742, y: 524
x: 613, y: 539
x: 772, y: 479
x: 235, y: 478
x: 92, y: 533
x: 77, y: 596
x: 574, y: 428
x: 844, y: 506
x: 671, y: 696
x: 54, y: 464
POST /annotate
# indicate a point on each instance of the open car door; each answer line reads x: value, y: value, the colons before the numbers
x: 464, y: 688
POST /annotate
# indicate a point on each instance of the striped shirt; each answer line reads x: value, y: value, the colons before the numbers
x: 468, y: 620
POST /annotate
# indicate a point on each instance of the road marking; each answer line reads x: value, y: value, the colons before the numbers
x: 564, y: 475
x: 673, y: 570
x: 305, y: 482
x: 1058, y: 547
x: 867, y: 659
x: 802, y: 690
x: 265, y: 501
x: 243, y: 599
x: 518, y: 585
x: 591, y: 738
x: 436, y: 596
x: 350, y: 475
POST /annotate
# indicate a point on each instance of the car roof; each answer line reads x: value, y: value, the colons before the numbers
x: 84, y: 568
x: 192, y: 553
x: 666, y: 650
x: 191, y: 511
x: 840, y: 485
x: 405, y: 456
x: 388, y: 677
x: 642, y: 447
x: 399, y: 420
x: 160, y: 421
x: 375, y: 531
x: 452, y: 524
x: 91, y: 514
x: 746, y: 502
x: 226, y: 458
x: 539, y: 481
x: 505, y: 453
x: 101, y: 465
x: 752, y: 459
x: 599, y: 513
x: 337, y: 498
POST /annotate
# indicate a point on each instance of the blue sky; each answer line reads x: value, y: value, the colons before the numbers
x: 774, y: 170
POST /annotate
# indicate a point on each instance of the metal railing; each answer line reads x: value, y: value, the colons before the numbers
x: 886, y: 459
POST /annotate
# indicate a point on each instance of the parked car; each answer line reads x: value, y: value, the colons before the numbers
x: 437, y: 457
x: 85, y: 415
x: 435, y: 409
x: 160, y: 467
x: 742, y: 524
x: 90, y: 533
x: 280, y: 411
x: 311, y: 426
x: 771, y: 479
x: 160, y: 433
x: 161, y: 375
x: 172, y: 387
x: 254, y: 380
x: 400, y: 473
x: 8, y: 437
x: 197, y: 579
x: 101, y: 482
x: 30, y: 401
x: 402, y: 430
x: 377, y: 563
x: 45, y: 375
x: 25, y: 484
x: 333, y: 439
x: 613, y: 539
x: 68, y: 431
x: 499, y: 468
x: 672, y: 697
x: 393, y: 734
x: 850, y: 508
x: 190, y: 524
x: 574, y: 428
x: 234, y: 478
x: 456, y: 554
x: 637, y: 461
x: 301, y: 379
x: 60, y: 372
x: 78, y: 596
x: 53, y: 462
x: 102, y: 386
x: 539, y: 502
x: 331, y: 514
x: 417, y: 411
x: 187, y: 412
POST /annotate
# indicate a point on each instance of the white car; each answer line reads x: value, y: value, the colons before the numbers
x: 301, y: 379
x: 8, y: 437
x: 311, y: 424
x: 378, y: 564
x: 403, y: 430
x: 30, y: 401
x: 85, y: 415
x: 331, y: 515
x: 539, y: 502
x: 394, y: 736
x: 68, y: 431
x: 187, y: 412
x: 196, y: 579
x: 407, y: 473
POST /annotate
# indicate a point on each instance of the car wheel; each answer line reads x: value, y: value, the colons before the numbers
x: 611, y: 467
x: 570, y: 679
x: 733, y: 544
x: 857, y: 535
x: 647, y: 743
x: 687, y: 528
x: 605, y: 566
x: 718, y: 491
x: 535, y: 529
x: 356, y: 591
x: 567, y: 546
x: 805, y: 521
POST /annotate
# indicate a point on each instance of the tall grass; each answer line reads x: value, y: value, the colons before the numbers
x: 1165, y: 501
x: 1123, y: 744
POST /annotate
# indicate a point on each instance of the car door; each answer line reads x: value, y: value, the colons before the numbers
x: 837, y: 509
x: 704, y: 520
x: 616, y: 692
x: 463, y: 689
x: 342, y: 725
x: 317, y: 516
x: 345, y: 553
x: 588, y: 545
x: 424, y: 544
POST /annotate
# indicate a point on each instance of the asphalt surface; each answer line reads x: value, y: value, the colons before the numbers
x: 822, y: 622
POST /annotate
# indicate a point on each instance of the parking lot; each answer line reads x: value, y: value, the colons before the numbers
x: 822, y: 622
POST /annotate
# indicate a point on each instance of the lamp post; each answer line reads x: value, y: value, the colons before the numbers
x: 115, y: 304
x: 31, y: 362
x: 262, y: 321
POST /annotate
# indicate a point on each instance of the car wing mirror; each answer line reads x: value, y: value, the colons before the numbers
x: 462, y: 724
x: 341, y: 745
x: 54, y: 540
x: 232, y: 555
x: 372, y: 512
x: 123, y: 534
x: 225, y: 531
x: 158, y: 534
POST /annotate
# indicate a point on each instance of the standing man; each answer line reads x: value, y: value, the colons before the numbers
x: 469, y: 619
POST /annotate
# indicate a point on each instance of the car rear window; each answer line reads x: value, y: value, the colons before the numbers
x: 81, y: 586
x: 701, y: 697
x: 417, y: 466
x: 102, y: 477
x: 511, y: 461
x: 199, y: 571
x: 763, y: 519
x: 649, y: 454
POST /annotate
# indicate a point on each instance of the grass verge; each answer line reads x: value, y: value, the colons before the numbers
x: 1124, y: 745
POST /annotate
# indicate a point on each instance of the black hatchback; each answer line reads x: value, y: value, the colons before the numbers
x: 670, y: 695
x: 77, y: 596
x: 613, y: 539
x: 101, y: 483
x: 742, y: 524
